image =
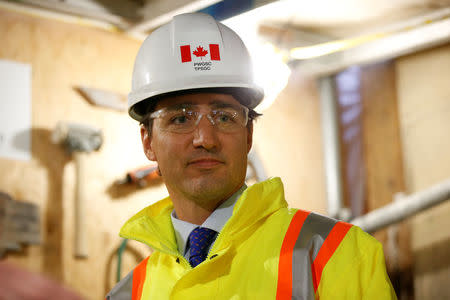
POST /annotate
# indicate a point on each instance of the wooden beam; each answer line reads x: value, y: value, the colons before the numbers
x: 117, y: 13
x: 158, y: 12
x: 384, y: 167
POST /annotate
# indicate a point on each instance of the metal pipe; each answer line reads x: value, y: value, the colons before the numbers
x: 331, y: 146
x: 404, y: 207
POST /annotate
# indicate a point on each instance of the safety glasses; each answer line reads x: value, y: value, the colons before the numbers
x: 186, y: 117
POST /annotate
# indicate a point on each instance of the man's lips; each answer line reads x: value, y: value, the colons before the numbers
x: 205, y: 162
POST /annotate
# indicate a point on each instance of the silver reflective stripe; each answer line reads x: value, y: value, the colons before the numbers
x: 314, y: 231
x: 122, y: 290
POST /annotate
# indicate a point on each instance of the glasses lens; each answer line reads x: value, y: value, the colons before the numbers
x: 229, y: 119
x: 184, y: 120
x: 178, y: 120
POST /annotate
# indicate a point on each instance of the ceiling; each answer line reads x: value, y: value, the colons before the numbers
x: 345, y: 18
x: 287, y: 24
x: 326, y: 18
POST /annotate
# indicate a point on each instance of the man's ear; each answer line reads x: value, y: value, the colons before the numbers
x: 249, y: 136
x: 146, y: 139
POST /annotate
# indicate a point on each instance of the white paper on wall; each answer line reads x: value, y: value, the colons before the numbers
x: 15, y: 110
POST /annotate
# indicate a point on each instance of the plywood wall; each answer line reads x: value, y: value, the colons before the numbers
x: 62, y: 56
x: 423, y: 84
x: 383, y: 155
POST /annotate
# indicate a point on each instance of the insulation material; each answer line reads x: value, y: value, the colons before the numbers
x: 15, y: 110
x: 348, y: 84
x: 19, y: 224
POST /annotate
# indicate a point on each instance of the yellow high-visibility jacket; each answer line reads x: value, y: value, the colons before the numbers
x: 265, y: 251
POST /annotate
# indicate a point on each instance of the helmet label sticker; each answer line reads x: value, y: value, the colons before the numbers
x: 201, y: 58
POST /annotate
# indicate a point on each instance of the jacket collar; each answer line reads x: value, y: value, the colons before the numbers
x: 153, y: 225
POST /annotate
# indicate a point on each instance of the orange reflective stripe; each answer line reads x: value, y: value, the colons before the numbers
x: 284, y: 286
x: 326, y: 251
x: 138, y: 279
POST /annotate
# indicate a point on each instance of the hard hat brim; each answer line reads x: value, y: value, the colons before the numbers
x: 248, y: 95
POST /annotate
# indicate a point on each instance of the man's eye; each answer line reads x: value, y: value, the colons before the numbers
x: 224, y: 117
x: 180, y: 119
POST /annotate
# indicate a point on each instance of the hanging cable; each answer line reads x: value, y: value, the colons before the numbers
x: 122, y: 247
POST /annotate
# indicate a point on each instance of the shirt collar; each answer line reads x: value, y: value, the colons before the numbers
x: 215, y: 221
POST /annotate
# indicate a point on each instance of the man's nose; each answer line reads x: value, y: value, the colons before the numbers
x: 205, y: 134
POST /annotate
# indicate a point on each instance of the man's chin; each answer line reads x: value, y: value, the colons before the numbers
x: 211, y: 188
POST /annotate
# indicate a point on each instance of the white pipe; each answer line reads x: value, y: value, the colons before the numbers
x: 331, y: 146
x: 405, y: 207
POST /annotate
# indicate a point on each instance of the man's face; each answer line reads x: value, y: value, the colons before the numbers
x: 205, y: 165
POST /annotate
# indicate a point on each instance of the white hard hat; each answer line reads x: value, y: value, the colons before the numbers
x: 192, y: 52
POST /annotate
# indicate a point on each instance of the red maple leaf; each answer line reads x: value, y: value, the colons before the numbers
x: 200, y: 52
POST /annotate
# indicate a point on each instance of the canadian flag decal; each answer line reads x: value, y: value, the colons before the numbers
x: 186, y: 56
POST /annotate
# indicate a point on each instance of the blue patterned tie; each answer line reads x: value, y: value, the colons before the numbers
x: 199, y: 241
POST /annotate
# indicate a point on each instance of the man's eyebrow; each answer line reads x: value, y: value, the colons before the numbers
x: 214, y: 104
x: 180, y: 105
x: 221, y: 104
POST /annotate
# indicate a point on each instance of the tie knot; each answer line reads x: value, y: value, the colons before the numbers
x: 199, y: 241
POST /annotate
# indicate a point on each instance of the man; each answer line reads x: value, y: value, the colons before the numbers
x: 214, y: 237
